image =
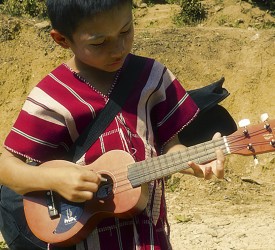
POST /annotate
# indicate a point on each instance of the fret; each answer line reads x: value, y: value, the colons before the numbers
x: 206, y: 150
x: 171, y: 163
x: 162, y: 165
x: 188, y: 155
x: 196, y: 155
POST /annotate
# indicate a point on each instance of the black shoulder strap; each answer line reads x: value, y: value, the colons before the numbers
x: 119, y: 95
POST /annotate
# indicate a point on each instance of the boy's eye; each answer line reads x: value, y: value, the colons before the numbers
x: 126, y: 30
x: 98, y: 43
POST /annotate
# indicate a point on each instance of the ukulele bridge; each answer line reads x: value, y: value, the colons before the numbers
x: 53, y: 212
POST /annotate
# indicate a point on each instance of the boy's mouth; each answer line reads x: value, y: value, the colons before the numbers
x: 116, y: 62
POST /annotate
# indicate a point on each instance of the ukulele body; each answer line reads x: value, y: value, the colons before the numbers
x: 74, y: 221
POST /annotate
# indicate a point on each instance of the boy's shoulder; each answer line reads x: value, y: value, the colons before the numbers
x: 59, y: 74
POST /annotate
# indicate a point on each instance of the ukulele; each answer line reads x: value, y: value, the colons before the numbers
x: 124, y: 193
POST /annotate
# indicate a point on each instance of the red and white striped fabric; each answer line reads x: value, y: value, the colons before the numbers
x: 60, y: 107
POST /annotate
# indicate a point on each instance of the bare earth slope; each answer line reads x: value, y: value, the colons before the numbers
x: 235, y: 213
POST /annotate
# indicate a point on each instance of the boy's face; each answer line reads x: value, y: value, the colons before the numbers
x: 104, y: 41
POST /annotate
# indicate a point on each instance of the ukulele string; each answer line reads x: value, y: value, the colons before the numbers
x: 201, y: 152
x: 239, y: 139
x: 171, y: 164
x: 191, y: 152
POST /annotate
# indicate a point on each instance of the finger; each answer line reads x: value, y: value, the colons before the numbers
x: 102, y: 179
x: 87, y: 195
x: 208, y: 173
x: 92, y: 177
x: 216, y: 136
x: 220, y: 164
x: 196, y: 169
x: 83, y: 196
x: 89, y: 186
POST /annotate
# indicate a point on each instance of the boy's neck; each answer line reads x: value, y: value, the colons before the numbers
x: 99, y: 79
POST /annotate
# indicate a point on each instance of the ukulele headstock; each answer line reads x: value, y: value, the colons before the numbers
x: 253, y: 139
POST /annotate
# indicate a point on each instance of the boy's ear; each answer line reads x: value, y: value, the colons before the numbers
x: 60, y: 39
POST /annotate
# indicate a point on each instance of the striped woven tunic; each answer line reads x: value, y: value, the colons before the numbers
x: 60, y: 107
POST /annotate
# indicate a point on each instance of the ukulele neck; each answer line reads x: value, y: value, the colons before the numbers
x: 165, y: 165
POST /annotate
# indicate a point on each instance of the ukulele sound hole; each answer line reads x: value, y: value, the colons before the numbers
x: 105, y: 188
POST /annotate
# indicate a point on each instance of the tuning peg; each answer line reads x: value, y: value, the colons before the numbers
x: 243, y: 124
x: 264, y: 118
x: 256, y: 161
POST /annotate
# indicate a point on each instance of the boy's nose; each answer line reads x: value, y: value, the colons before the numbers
x: 119, y: 48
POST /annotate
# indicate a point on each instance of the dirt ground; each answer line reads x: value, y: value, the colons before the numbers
x: 235, y: 213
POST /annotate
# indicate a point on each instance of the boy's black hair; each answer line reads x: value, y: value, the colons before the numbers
x: 66, y: 15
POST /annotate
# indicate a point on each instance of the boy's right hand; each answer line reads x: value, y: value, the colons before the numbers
x: 75, y: 183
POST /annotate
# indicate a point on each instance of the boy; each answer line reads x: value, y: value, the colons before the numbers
x: 100, y: 35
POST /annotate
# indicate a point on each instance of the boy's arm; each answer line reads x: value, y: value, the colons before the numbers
x: 203, y: 171
x: 73, y: 182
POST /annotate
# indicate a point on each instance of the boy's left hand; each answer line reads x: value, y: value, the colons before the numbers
x: 215, y: 167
